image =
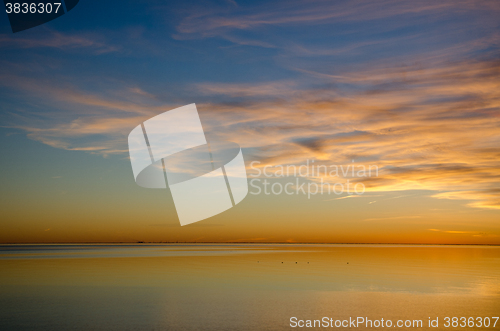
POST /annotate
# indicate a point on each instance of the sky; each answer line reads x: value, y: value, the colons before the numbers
x: 411, y: 88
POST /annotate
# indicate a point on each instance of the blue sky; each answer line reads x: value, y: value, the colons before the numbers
x: 412, y: 87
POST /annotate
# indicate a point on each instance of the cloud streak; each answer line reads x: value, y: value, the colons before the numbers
x: 58, y: 40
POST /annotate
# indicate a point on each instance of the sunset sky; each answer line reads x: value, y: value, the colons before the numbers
x: 412, y: 87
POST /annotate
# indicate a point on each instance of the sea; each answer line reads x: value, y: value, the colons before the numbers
x: 249, y: 287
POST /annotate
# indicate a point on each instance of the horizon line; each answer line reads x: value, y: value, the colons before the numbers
x: 235, y: 242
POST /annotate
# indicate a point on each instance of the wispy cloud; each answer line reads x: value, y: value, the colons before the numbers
x: 352, y: 196
x: 462, y: 232
x: 391, y: 218
x: 229, y: 22
x: 489, y: 198
x: 81, y: 120
x: 210, y: 22
x: 55, y: 39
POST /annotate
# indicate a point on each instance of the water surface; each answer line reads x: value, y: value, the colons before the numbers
x: 241, y: 287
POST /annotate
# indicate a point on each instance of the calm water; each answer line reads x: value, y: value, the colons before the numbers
x: 242, y: 287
